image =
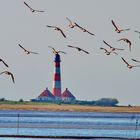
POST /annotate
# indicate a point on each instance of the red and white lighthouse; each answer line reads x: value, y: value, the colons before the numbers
x: 56, y: 91
x: 46, y: 95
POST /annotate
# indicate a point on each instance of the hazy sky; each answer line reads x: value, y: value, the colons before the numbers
x: 88, y: 77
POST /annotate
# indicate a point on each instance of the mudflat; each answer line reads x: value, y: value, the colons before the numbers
x: 62, y: 107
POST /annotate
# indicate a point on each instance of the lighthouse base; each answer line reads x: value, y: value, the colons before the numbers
x: 58, y: 98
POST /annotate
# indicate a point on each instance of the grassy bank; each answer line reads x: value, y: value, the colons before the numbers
x: 13, y: 105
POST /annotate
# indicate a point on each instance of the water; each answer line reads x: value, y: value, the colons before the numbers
x: 83, y: 124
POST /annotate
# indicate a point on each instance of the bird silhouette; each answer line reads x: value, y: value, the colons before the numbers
x: 108, y: 52
x: 127, y: 41
x: 26, y: 51
x: 128, y: 65
x: 137, y: 32
x: 8, y: 73
x: 55, y: 51
x: 32, y: 10
x: 117, y: 29
x: 135, y: 60
x: 79, y: 49
x: 71, y: 24
x: 4, y: 63
x: 83, y: 29
x: 57, y: 29
x: 112, y: 48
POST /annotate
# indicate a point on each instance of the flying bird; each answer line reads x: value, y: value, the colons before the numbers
x: 137, y: 32
x: 8, y: 73
x: 117, y: 29
x: 57, y: 29
x: 79, y: 49
x: 127, y: 41
x: 32, y: 10
x: 83, y: 29
x: 135, y: 60
x: 26, y: 51
x: 112, y: 48
x: 107, y: 52
x: 4, y: 63
x: 71, y: 24
x: 128, y: 65
x: 55, y: 51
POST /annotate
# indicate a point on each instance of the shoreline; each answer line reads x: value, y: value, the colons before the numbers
x: 70, y: 108
x: 63, y: 137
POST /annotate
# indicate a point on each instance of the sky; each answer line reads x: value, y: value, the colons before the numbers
x: 88, y: 76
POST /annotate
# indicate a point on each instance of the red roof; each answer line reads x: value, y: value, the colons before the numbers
x: 46, y: 93
x: 67, y: 94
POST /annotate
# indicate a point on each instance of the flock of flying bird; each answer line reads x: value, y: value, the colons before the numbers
x: 108, y: 50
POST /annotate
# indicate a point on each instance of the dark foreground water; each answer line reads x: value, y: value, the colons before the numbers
x: 86, y: 124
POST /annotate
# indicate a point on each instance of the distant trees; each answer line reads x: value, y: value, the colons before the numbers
x: 20, y: 100
x: 107, y: 102
x: 2, y: 99
x: 100, y: 102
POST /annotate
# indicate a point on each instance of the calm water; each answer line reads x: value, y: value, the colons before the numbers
x: 38, y: 123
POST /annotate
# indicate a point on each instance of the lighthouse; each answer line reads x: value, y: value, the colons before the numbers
x: 56, y: 91
x: 56, y: 94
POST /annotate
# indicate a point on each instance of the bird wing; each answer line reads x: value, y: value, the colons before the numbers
x: 103, y: 49
x: 32, y: 8
x: 124, y: 60
x: 62, y: 52
x: 135, y: 60
x: 78, y: 48
x: 9, y: 73
x: 119, y: 49
x: 33, y: 52
x: 129, y: 47
x: 78, y: 26
x: 84, y: 29
x: 122, y: 39
x: 62, y: 33
x: 69, y: 20
x: 51, y: 26
x: 2, y: 72
x: 136, y: 66
x: 85, y: 51
x: 13, y: 79
x: 106, y: 51
x: 28, y: 6
x: 22, y: 47
x: 114, y: 24
x: 137, y: 32
x: 53, y: 49
x: 107, y: 44
x: 90, y: 33
x: 50, y: 47
x: 125, y: 29
x: 114, y: 53
x: 4, y: 63
x: 39, y: 11
x: 129, y: 43
x: 71, y: 46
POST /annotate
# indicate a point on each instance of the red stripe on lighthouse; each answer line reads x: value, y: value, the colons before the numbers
x: 57, y: 92
x: 57, y: 77
x: 57, y: 64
